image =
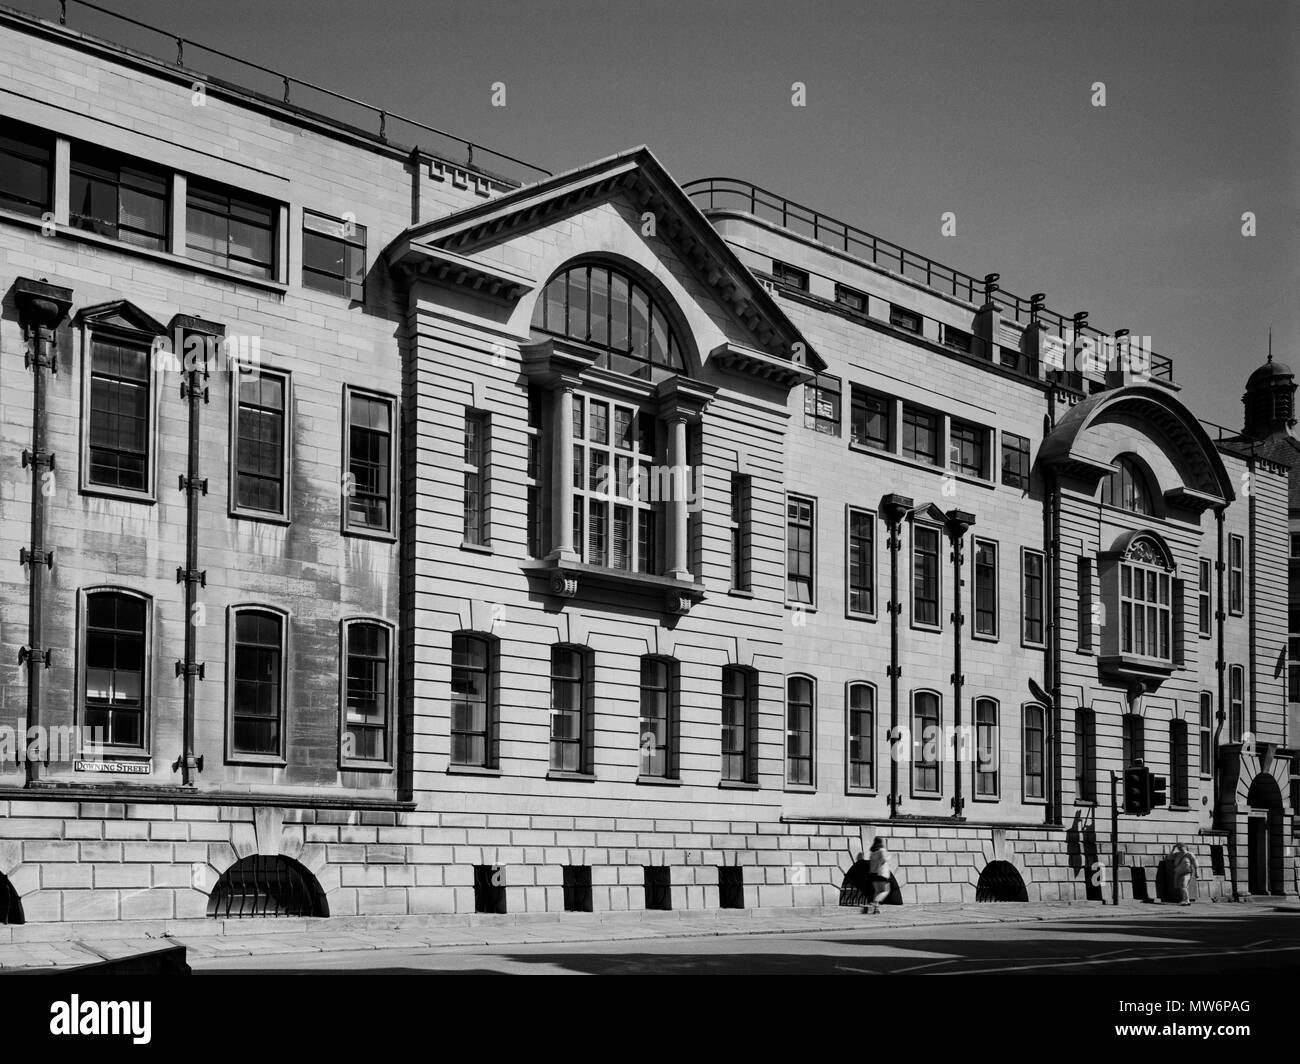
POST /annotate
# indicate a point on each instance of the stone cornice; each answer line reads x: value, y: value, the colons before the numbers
x: 418, y: 260
x: 747, y: 362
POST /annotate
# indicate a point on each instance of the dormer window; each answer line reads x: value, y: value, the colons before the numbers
x: 604, y: 307
x: 1129, y: 487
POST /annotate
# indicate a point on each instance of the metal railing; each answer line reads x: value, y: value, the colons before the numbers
x: 722, y: 193
x: 274, y: 86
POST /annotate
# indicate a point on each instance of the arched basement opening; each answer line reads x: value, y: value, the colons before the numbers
x: 1000, y: 882
x: 11, y: 906
x: 262, y: 885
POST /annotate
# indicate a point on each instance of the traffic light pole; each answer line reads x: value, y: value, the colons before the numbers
x: 1114, y: 837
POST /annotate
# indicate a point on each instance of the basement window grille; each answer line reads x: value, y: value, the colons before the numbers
x: 266, y: 886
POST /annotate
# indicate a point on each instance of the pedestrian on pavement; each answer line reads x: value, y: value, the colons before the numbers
x: 1184, y: 869
x: 880, y: 868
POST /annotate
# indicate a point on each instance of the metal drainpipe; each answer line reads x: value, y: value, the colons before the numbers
x: 41, y: 306
x: 192, y: 337
x: 1252, y: 721
x: 1221, y: 665
x: 894, y: 508
x: 959, y: 522
x: 1054, y: 646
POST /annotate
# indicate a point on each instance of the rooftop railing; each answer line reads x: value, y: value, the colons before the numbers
x: 723, y: 193
x: 273, y: 86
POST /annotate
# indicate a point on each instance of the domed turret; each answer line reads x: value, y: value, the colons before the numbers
x: 1270, y: 400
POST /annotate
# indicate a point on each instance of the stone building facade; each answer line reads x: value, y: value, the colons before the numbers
x: 423, y: 541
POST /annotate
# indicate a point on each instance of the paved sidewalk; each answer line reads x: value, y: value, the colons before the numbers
x: 235, y: 938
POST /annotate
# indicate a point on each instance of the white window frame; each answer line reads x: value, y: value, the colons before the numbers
x: 849, y: 513
x: 282, y: 515
x: 388, y: 534
x: 279, y: 758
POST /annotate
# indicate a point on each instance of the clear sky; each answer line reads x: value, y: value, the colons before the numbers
x: 1131, y: 211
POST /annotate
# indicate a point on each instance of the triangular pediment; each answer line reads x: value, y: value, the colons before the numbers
x: 450, y: 248
x: 122, y: 316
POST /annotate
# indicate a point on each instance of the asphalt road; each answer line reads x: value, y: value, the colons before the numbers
x: 1254, y: 943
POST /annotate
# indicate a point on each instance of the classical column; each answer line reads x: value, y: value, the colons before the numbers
x: 678, y: 564
x: 562, y: 547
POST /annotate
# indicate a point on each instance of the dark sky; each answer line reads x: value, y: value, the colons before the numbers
x: 1132, y: 211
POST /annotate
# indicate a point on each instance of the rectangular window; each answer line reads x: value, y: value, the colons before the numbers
x: 534, y: 475
x: 1293, y: 670
x: 230, y: 229
x: 476, y: 478
x: 851, y: 298
x: 1236, y: 593
x: 115, y: 675
x: 986, y: 588
x: 799, y: 550
x: 790, y: 276
x: 333, y: 255
x: 741, y: 532
x: 1236, y: 703
x: 926, y: 757
x: 1015, y: 461
x: 119, y: 415
x: 957, y: 339
x: 257, y: 708
x: 871, y: 416
x: 1083, y: 576
x: 1207, y: 733
x: 369, y: 461
x: 920, y: 434
x: 1145, y: 612
x: 925, y: 576
x: 117, y: 198
x: 1203, y: 614
x: 739, y: 727
x: 568, y: 710
x: 861, y: 568
x: 367, y: 692
x: 862, y: 736
x: 658, y: 738
x: 1035, y: 762
x: 967, y: 450
x: 821, y: 404
x: 1178, y: 793
x: 473, y: 731
x: 1133, y: 742
x: 615, y: 515
x: 902, y: 318
x: 26, y: 166
x: 986, y: 748
x: 1031, y: 596
x: 261, y: 443
x: 1085, y: 755
x: 1295, y: 544
x: 799, y: 714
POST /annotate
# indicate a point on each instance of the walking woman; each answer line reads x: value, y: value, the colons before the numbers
x: 880, y: 868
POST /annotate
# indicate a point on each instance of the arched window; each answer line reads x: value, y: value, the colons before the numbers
x: 263, y: 885
x: 1034, y: 718
x: 799, y: 720
x: 1129, y: 487
x: 986, y: 748
x: 927, y: 756
x: 1146, y: 601
x: 604, y: 307
x: 862, y: 736
x: 658, y: 734
x: 116, y: 667
x: 257, y: 683
x: 473, y: 701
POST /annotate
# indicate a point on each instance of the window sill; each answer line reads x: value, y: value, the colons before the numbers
x: 477, y: 548
x: 1085, y: 803
x: 144, y: 498
x: 853, y: 615
x: 257, y: 760
x: 982, y: 638
x: 925, y: 627
x: 1179, y: 808
x: 738, y: 785
x: 364, y: 766
x: 260, y: 518
x: 568, y: 580
x: 378, y: 535
x: 658, y: 781
x: 987, y: 799
x: 473, y: 770
x: 126, y: 753
x: 572, y: 777
x: 800, y: 788
x: 1034, y: 801
x: 861, y: 792
x: 736, y: 592
x: 165, y: 258
x: 1032, y: 646
x: 803, y: 607
x: 926, y: 796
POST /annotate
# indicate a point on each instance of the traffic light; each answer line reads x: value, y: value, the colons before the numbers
x: 1136, y: 790
x: 1155, y: 792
